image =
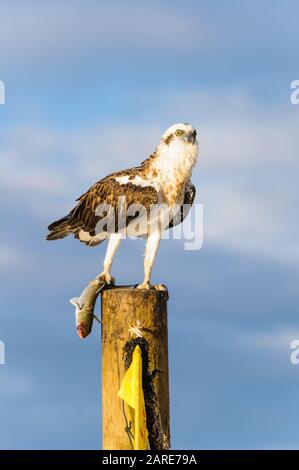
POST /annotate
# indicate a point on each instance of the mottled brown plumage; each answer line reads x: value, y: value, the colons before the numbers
x: 189, y: 197
x: 140, y: 201
x: 105, y: 191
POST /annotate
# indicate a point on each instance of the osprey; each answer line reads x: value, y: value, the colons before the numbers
x: 141, y: 201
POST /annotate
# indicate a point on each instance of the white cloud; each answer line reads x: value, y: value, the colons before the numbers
x: 43, y: 160
x: 250, y: 223
x: 64, y: 32
x: 276, y: 341
x: 61, y: 31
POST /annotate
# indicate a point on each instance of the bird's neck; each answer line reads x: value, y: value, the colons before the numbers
x: 174, y: 164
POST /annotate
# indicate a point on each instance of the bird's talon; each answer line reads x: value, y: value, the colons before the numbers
x: 147, y: 286
x: 144, y: 285
x: 106, y: 278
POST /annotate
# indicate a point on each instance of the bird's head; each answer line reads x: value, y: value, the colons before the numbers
x: 179, y: 134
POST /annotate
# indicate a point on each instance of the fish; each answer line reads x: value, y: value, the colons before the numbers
x: 84, y: 307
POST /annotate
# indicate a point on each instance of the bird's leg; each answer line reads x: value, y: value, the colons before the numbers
x: 151, y: 249
x: 113, y: 244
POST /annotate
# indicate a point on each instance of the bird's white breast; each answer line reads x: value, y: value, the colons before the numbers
x: 174, y: 166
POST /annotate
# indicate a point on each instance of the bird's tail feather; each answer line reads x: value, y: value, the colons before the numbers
x: 60, y: 228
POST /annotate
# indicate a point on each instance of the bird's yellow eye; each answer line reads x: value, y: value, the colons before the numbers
x: 178, y: 132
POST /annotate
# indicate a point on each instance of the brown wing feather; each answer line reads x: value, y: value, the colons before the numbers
x: 107, y: 191
x: 189, y: 197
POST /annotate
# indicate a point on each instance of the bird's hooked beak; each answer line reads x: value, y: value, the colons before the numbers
x: 191, y: 137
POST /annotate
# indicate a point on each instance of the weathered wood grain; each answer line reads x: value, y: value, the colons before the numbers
x: 123, y: 307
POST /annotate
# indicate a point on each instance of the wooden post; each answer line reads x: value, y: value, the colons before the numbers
x: 123, y: 307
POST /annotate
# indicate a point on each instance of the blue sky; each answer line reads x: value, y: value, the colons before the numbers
x: 90, y: 86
